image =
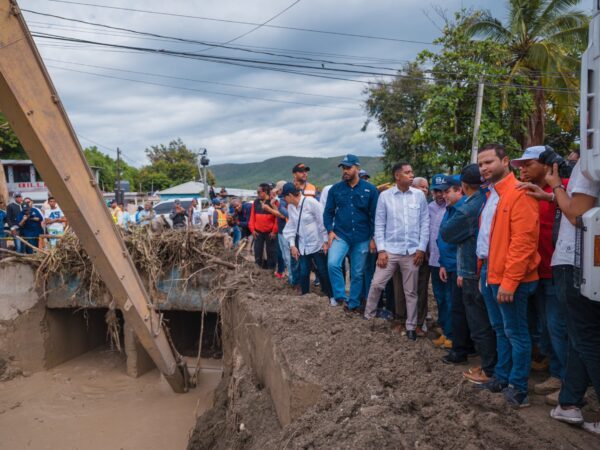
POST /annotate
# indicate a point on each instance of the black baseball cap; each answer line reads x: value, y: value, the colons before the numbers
x: 300, y: 167
x: 471, y: 175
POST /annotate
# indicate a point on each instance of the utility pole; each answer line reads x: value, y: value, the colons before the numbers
x: 118, y: 182
x: 204, y: 161
x: 478, y: 108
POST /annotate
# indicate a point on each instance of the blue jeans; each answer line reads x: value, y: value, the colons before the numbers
x: 442, y: 293
x: 513, y: 342
x: 583, y: 323
x: 280, y: 259
x: 237, y: 234
x: 369, y: 272
x: 18, y: 246
x: 284, y: 247
x: 555, y: 315
x: 320, y: 261
x: 358, y: 258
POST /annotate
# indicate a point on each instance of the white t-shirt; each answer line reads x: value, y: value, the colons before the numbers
x: 56, y: 213
x: 564, y: 252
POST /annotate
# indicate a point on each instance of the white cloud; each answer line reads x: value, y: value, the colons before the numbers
x: 133, y: 115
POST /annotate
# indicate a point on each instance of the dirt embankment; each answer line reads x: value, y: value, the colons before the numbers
x: 378, y: 390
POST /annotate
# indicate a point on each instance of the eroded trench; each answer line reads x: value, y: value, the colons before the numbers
x: 84, y: 363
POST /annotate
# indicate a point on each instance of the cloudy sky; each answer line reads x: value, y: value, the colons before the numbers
x: 117, y: 97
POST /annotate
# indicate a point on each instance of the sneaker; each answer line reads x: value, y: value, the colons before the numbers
x: 476, y: 375
x: 567, y: 415
x: 420, y: 332
x: 333, y: 302
x: 439, y: 342
x: 278, y: 275
x: 385, y: 314
x: 552, y: 384
x: 448, y: 344
x: 454, y: 358
x: 493, y: 385
x: 592, y: 427
x: 552, y: 399
x: 515, y: 398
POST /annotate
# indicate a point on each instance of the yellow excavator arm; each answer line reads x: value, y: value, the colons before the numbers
x: 33, y: 108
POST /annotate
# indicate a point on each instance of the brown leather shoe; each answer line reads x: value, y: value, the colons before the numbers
x: 420, y: 332
x: 540, y: 366
x: 400, y: 329
x: 476, y: 375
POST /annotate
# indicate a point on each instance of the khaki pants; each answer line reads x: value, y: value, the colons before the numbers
x: 422, y: 291
x: 410, y: 278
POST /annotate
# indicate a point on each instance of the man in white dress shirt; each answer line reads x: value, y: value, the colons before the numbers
x: 307, y: 237
x: 401, y: 236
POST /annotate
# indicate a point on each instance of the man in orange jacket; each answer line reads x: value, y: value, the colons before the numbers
x: 508, y: 246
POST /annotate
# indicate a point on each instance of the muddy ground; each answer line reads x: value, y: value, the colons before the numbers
x: 379, y: 389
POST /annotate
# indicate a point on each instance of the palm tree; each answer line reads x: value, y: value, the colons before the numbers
x: 544, y: 39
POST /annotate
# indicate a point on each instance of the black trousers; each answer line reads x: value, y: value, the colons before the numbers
x: 264, y: 240
x: 482, y: 332
x: 461, y: 339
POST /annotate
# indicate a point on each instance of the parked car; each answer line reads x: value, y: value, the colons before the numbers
x: 164, y: 209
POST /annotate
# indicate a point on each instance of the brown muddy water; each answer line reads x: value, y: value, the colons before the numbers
x: 90, y: 403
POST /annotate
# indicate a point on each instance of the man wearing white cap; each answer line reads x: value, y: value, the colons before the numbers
x: 551, y: 310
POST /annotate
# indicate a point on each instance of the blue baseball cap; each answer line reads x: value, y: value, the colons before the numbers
x: 349, y: 161
x: 216, y: 201
x: 436, y: 181
x: 449, y: 181
x: 530, y: 153
x: 289, y: 188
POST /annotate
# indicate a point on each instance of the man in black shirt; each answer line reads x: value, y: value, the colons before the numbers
x: 12, y: 212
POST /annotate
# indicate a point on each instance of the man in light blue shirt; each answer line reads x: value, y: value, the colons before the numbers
x: 401, y: 236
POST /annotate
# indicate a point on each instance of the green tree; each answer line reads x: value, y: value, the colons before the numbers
x: 10, y: 146
x: 448, y: 116
x: 397, y: 107
x: 545, y: 39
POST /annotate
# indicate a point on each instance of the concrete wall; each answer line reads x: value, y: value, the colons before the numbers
x: 245, y: 334
x: 21, y: 318
x: 33, y: 338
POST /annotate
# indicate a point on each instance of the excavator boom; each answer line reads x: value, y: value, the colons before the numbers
x: 33, y: 108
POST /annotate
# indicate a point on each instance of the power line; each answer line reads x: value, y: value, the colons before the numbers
x: 373, y: 59
x: 105, y: 147
x: 220, y: 83
x: 292, y: 68
x: 269, y: 53
x: 257, y: 27
x: 215, y: 45
x: 227, y: 94
x: 281, y: 27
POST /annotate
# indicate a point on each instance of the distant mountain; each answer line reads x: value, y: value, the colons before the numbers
x: 323, y: 171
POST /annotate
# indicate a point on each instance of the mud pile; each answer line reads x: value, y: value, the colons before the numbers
x: 379, y: 390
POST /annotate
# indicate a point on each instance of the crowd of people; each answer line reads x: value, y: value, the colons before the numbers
x: 497, y: 242
x: 25, y: 224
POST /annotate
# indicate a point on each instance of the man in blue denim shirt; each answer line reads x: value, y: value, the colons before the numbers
x: 349, y: 218
x: 462, y: 230
x: 460, y: 345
